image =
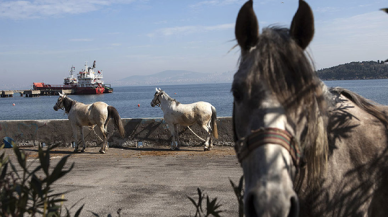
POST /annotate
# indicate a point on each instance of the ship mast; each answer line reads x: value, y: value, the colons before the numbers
x: 72, y: 70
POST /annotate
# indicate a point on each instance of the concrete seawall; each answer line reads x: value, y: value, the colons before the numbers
x: 151, y: 132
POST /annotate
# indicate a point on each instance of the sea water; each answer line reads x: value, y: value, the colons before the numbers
x: 127, y: 99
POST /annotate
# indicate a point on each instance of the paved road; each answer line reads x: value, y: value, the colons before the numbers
x: 148, y: 182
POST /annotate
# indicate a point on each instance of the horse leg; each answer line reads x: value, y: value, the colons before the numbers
x: 74, y: 127
x: 103, y: 145
x: 172, y: 130
x: 209, y: 127
x: 176, y: 129
x: 208, y: 138
x: 83, y: 139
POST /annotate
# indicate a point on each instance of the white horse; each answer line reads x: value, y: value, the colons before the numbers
x: 176, y: 113
x: 90, y: 115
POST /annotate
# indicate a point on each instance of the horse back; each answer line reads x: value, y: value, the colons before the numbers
x: 355, y: 180
x: 88, y: 114
x: 189, y: 114
x: 98, y: 112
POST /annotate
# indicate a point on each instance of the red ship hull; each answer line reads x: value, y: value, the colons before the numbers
x: 76, y: 89
x: 89, y: 90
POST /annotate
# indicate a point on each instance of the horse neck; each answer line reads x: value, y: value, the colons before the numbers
x: 68, y: 104
x: 166, y: 101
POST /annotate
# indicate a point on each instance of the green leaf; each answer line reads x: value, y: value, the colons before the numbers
x: 4, y: 171
x: 14, y: 169
x: 34, y: 171
x: 193, y: 201
x: 95, y: 214
x: 200, y: 197
x: 44, y: 160
x: 36, y: 184
x: 57, y: 172
x: 21, y: 157
x: 79, y: 211
x: 239, y: 192
x: 212, y: 207
x: 67, y: 213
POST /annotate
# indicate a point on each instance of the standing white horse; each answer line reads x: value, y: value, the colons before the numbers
x: 90, y: 115
x: 176, y: 113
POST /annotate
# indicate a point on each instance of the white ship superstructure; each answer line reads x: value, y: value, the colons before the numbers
x: 71, y: 80
x: 88, y: 78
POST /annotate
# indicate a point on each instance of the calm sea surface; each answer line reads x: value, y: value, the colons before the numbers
x: 126, y: 99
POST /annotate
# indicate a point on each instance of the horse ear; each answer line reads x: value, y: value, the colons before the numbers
x: 156, y: 89
x: 302, y: 26
x: 247, y: 27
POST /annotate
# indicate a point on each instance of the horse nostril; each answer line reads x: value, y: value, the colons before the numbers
x: 294, y: 209
x: 250, y: 210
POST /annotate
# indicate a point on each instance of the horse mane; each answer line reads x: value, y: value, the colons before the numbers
x: 364, y: 104
x: 169, y: 98
x: 68, y: 104
x: 297, y: 87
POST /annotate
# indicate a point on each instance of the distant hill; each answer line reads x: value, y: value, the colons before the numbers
x: 355, y: 71
x: 175, y: 77
x: 347, y: 71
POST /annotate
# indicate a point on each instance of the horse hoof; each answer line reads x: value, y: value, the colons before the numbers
x: 102, y: 152
x: 75, y: 150
x: 83, y: 150
x: 205, y: 149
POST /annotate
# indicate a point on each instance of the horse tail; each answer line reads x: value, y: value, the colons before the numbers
x: 113, y: 113
x: 214, y: 122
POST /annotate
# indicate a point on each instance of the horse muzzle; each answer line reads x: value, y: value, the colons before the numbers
x: 55, y: 108
x: 268, y: 183
x: 268, y: 157
x: 271, y: 200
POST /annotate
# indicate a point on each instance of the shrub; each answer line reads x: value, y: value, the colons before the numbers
x: 22, y: 192
x: 212, y: 206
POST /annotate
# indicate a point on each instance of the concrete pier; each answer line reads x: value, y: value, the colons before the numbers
x: 32, y: 93
x: 35, y: 93
x: 7, y: 93
x: 50, y: 92
x: 150, y: 132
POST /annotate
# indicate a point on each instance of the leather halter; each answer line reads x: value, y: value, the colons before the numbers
x: 60, y: 104
x: 157, y: 98
x: 265, y: 136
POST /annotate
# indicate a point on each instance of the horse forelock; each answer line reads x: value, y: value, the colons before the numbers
x: 279, y: 64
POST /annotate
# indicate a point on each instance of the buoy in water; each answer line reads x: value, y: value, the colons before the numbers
x: 175, y: 93
x: 138, y: 105
x: 13, y: 104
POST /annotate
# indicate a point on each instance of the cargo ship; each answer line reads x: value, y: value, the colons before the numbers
x: 87, y: 82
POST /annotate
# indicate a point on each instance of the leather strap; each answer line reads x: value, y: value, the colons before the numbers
x: 265, y: 136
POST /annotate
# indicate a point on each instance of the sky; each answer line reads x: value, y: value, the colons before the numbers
x: 41, y: 39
